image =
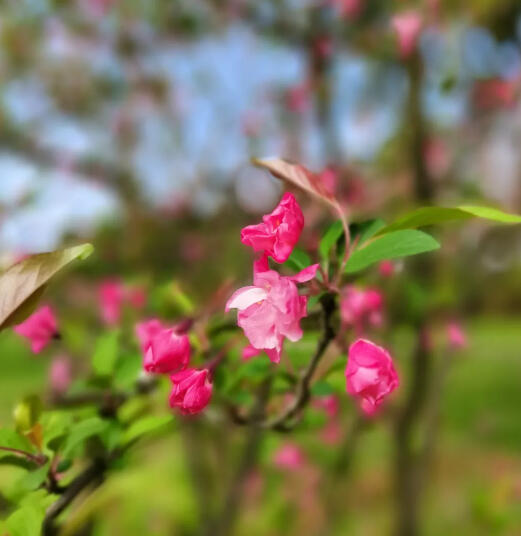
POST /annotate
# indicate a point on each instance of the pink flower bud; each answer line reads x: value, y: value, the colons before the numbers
x: 167, y: 352
x: 279, y: 231
x: 407, y: 26
x: 370, y: 375
x: 40, y: 328
x: 111, y: 296
x: 60, y: 375
x: 289, y: 456
x: 192, y: 390
x: 456, y: 336
x: 147, y: 330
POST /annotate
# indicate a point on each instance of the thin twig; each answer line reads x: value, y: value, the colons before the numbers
x: 285, y: 420
x: 93, y: 475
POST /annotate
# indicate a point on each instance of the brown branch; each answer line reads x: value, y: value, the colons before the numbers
x: 285, y: 420
x: 93, y: 475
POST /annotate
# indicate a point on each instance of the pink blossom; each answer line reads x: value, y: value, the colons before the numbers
x: 329, y: 178
x: 456, y: 336
x: 407, y: 26
x: 370, y: 374
x: 386, y: 268
x: 192, y: 390
x: 279, y: 231
x: 40, y: 328
x: 298, y: 98
x: 289, y: 456
x: 111, y: 297
x: 137, y: 297
x: 60, y: 375
x: 270, y: 310
x: 331, y: 434
x: 329, y: 404
x: 166, y: 352
x: 361, y: 307
x: 349, y: 8
x: 147, y: 330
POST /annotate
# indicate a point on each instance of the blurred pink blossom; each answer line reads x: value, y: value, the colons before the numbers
x: 386, y: 268
x: 407, y: 26
x: 111, y: 297
x: 329, y: 178
x: 166, y: 352
x: 437, y: 158
x: 40, y: 328
x: 348, y: 8
x: 370, y: 375
x: 192, y: 390
x: 289, y: 456
x: 279, y: 231
x: 456, y: 336
x: 60, y: 375
x: 137, y: 297
x: 361, y: 307
x: 271, y: 310
x: 298, y: 98
x: 329, y: 404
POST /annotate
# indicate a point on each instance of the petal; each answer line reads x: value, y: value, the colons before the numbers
x: 305, y: 275
x: 244, y: 297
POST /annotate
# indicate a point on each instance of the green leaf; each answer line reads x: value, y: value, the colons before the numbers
x: 391, y: 246
x: 22, y: 285
x: 25, y: 521
x: 331, y: 237
x: 322, y: 388
x: 433, y: 215
x: 14, y: 440
x: 298, y: 260
x: 85, y: 429
x: 146, y: 425
x: 363, y: 231
x: 106, y: 353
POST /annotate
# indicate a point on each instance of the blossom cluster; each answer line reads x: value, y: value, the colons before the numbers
x: 166, y: 350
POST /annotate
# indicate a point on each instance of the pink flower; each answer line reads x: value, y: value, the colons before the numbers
x: 147, y: 330
x: 298, y: 98
x: 137, y: 297
x: 271, y: 310
x: 289, y: 456
x: 456, y: 336
x: 111, y: 297
x: 329, y: 404
x: 407, y: 26
x: 349, y: 8
x: 386, y: 268
x: 192, y: 390
x: 361, y: 307
x: 40, y: 328
x: 60, y: 375
x: 331, y: 434
x: 279, y: 231
x: 166, y: 352
x: 370, y: 374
